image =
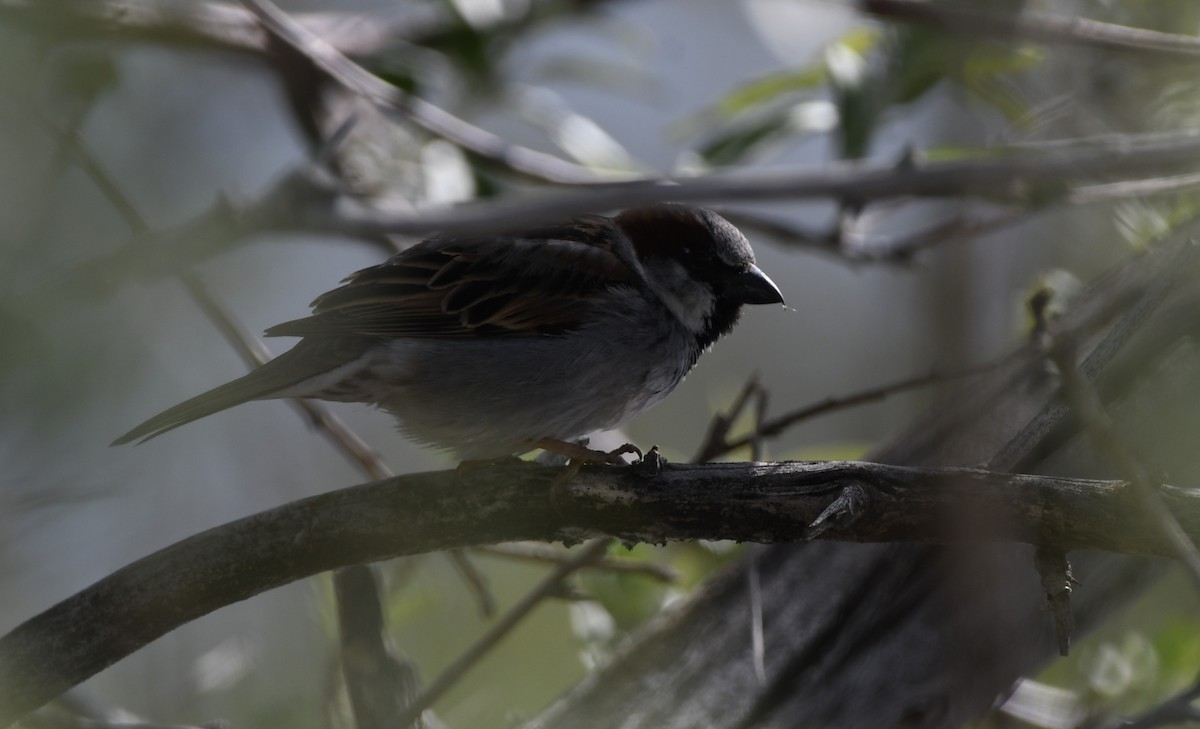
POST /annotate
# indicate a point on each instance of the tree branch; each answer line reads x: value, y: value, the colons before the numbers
x: 221, y: 26
x: 299, y: 202
x: 759, y: 502
x: 430, y: 117
x: 1038, y: 27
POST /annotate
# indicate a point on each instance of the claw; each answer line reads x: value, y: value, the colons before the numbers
x: 583, y: 454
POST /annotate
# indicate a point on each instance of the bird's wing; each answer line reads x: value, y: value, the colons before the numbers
x: 540, y: 281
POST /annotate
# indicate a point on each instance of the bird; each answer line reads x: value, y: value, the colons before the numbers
x: 482, y: 345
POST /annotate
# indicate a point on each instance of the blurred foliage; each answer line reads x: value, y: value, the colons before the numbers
x: 1142, y: 221
x: 1127, y: 667
x: 631, y: 599
x: 853, y: 85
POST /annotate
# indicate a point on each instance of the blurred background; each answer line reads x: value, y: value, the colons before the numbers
x: 94, y: 338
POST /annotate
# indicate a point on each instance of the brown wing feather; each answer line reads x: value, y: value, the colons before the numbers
x: 535, y: 283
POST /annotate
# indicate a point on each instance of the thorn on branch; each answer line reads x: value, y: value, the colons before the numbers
x: 842, y: 512
x: 1057, y: 582
x: 651, y: 464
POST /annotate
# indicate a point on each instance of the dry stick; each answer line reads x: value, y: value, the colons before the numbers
x: 1038, y: 27
x: 434, y: 119
x: 549, y: 585
x: 544, y: 554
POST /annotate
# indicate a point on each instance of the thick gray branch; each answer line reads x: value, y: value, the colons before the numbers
x: 764, y: 502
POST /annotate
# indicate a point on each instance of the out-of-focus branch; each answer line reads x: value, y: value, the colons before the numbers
x: 1179, y: 709
x: 303, y: 202
x: 549, y: 586
x: 1040, y: 178
x: 429, y: 117
x: 1055, y: 29
x: 901, y: 248
x: 222, y: 26
x: 1088, y: 406
x: 379, y: 683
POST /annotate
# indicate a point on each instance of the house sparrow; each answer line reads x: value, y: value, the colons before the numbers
x: 484, y: 344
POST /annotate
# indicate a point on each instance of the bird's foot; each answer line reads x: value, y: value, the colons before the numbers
x: 578, y: 455
x: 581, y: 454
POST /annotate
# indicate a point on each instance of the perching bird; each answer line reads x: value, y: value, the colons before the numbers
x: 484, y: 344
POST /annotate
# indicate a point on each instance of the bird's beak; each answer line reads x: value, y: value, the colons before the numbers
x: 752, y: 286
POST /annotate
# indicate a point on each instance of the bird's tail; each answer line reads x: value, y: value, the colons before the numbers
x: 278, y: 378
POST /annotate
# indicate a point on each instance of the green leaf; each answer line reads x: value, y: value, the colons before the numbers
x: 768, y: 88
x: 733, y: 145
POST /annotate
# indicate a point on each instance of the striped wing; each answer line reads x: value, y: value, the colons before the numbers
x: 538, y: 282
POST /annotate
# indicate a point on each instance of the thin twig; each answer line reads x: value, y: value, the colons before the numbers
x: 1127, y: 189
x: 545, y: 554
x: 776, y: 426
x: 756, y: 432
x: 475, y: 581
x: 714, y: 442
x: 1038, y: 27
x: 549, y: 584
x: 904, y: 248
x: 432, y: 118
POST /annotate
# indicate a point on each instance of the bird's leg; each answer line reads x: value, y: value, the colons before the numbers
x: 578, y: 455
x: 577, y: 452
